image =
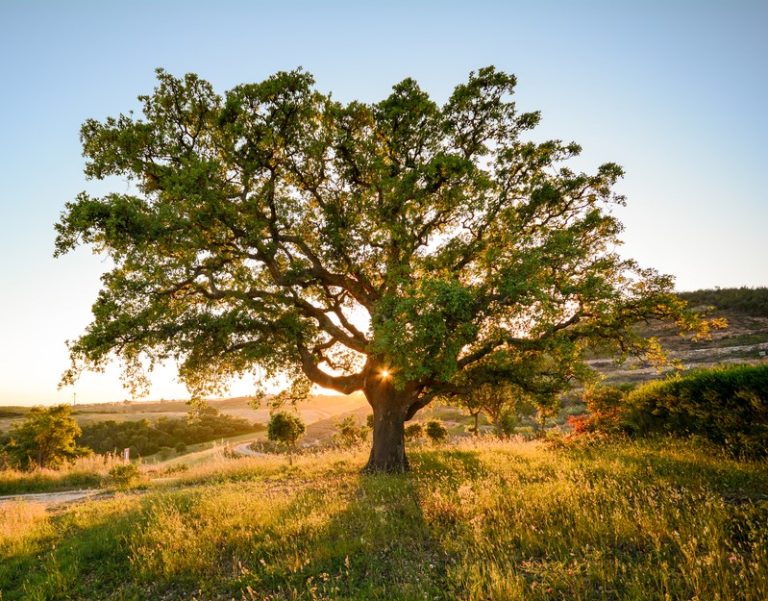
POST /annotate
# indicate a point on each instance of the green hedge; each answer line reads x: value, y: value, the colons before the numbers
x: 728, y: 406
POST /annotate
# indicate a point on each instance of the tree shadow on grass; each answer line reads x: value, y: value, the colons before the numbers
x: 377, y: 545
x: 342, y: 535
x: 459, y: 464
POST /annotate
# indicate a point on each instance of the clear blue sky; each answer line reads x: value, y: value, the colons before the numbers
x: 674, y: 91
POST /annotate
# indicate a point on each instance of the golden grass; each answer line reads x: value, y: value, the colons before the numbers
x: 479, y: 520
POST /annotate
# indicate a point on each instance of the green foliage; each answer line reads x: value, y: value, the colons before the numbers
x: 47, y: 437
x: 124, y: 476
x: 506, y: 424
x: 502, y: 402
x: 147, y: 438
x: 285, y: 428
x: 414, y: 431
x: 263, y: 219
x: 436, y: 431
x: 728, y: 406
x: 605, y: 406
x: 349, y: 433
x: 752, y: 301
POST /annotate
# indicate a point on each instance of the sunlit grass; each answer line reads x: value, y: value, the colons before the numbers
x: 85, y: 472
x: 479, y: 520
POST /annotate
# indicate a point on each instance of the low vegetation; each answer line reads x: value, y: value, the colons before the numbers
x: 727, y: 406
x: 147, y: 438
x: 486, y: 519
x: 285, y: 428
x: 85, y: 472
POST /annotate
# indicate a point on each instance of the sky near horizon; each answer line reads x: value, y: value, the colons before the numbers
x: 674, y: 91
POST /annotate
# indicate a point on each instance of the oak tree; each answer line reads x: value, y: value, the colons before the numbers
x: 402, y: 248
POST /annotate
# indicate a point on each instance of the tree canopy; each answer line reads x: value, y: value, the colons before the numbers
x: 46, y: 438
x: 405, y: 248
x: 286, y: 428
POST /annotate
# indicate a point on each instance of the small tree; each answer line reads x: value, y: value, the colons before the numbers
x: 501, y: 402
x: 547, y: 407
x: 604, y: 403
x: 285, y: 428
x: 506, y: 423
x: 46, y: 438
x: 349, y: 433
x: 436, y: 431
x: 414, y: 431
x: 474, y: 406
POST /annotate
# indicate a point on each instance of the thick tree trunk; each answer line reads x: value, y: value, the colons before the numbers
x: 388, y: 450
x: 389, y: 410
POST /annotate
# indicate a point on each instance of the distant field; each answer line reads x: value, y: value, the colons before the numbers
x: 478, y: 521
x: 314, y: 409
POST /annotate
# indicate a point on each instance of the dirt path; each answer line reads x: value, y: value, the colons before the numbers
x: 50, y: 499
x: 244, y: 448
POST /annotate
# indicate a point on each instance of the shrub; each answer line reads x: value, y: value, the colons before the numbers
x: 181, y: 447
x: 349, y: 434
x: 436, y: 431
x: 47, y: 438
x: 414, y: 431
x: 506, y: 423
x: 605, y: 410
x: 728, y: 406
x: 175, y: 469
x: 165, y: 453
x: 124, y: 476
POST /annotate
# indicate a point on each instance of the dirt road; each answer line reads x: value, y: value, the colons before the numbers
x: 50, y: 499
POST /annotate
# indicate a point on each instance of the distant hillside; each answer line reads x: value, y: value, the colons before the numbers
x: 745, y: 340
x: 744, y: 300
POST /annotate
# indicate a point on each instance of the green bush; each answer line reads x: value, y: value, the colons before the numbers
x: 506, y: 424
x: 728, y: 406
x: 47, y: 438
x: 605, y: 410
x: 414, y: 431
x: 436, y: 431
x: 123, y: 476
x: 349, y: 434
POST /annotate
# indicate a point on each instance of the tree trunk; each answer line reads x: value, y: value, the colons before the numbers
x: 389, y: 410
x: 477, y: 424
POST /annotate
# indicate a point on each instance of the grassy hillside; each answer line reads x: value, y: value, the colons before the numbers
x: 744, y: 300
x: 314, y: 409
x: 744, y: 340
x: 488, y: 520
